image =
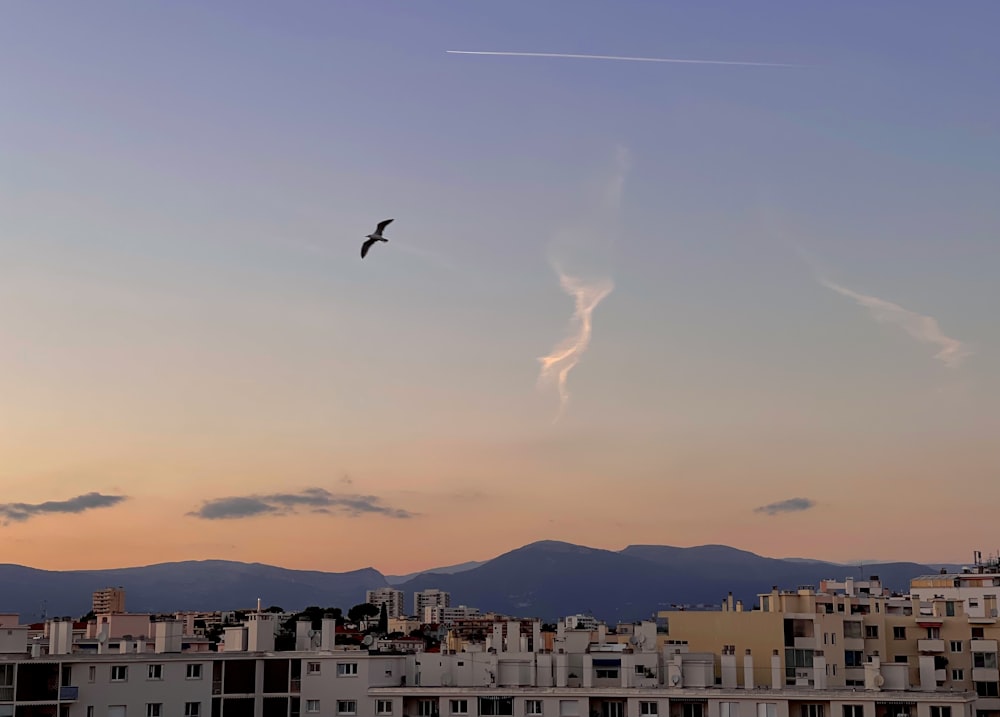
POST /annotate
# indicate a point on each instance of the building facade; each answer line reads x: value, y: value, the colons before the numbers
x: 394, y: 601
x: 108, y: 601
x: 431, y: 597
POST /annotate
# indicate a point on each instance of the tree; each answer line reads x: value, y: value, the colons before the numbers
x: 88, y: 617
x: 361, y: 611
x: 383, y: 620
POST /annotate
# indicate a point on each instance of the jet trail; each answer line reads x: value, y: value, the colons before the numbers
x: 561, y: 360
x: 620, y: 58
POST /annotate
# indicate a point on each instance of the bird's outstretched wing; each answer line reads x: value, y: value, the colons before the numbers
x: 383, y: 225
x: 366, y: 246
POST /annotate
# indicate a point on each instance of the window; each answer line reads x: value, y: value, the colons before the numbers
x: 693, y: 709
x: 155, y: 672
x: 955, y: 645
x: 905, y: 659
x: 154, y: 709
x: 608, y: 673
x: 852, y: 630
x: 639, y: 669
x: 347, y: 669
x: 812, y: 710
x: 613, y: 709
x: 871, y: 632
x: 767, y: 709
x: 192, y: 709
x: 949, y: 610
x: 934, y: 633
x: 383, y: 707
x: 194, y: 671
x: 534, y: 707
x: 973, y: 602
x: 854, y: 711
x: 833, y: 638
x: 940, y: 711
x: 899, y: 632
x: 957, y: 675
x: 977, y: 633
x: 91, y: 673
x: 345, y: 707
x: 312, y: 705
x: 428, y: 708
x: 854, y: 658
x: 987, y: 689
x: 496, y: 706
x: 729, y: 709
x: 460, y: 707
x: 119, y: 673
x: 648, y: 708
x: 984, y: 659
x: 90, y: 711
x: 313, y: 668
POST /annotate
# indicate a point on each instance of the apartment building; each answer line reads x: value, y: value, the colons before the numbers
x: 441, y: 615
x: 581, y: 677
x: 833, y: 638
x: 393, y: 599
x: 108, y: 600
x: 431, y: 597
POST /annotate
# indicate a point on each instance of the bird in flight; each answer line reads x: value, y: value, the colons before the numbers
x: 376, y: 236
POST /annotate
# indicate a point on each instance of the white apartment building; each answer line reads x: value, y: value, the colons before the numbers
x: 439, y: 615
x: 394, y: 600
x: 431, y: 597
x: 578, y: 677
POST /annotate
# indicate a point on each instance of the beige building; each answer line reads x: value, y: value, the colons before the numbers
x: 834, y: 638
x: 108, y: 601
x: 393, y: 599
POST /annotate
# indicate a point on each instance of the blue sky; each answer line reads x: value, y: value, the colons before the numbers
x: 183, y: 192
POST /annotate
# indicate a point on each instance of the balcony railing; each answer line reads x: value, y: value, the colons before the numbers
x: 930, y: 645
x: 68, y: 693
x: 6, y: 693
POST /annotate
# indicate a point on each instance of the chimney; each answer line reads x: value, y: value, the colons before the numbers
x: 168, y: 634
x: 729, y: 681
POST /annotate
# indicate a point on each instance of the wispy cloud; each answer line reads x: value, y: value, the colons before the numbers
x: 622, y: 58
x: 792, y: 505
x: 922, y: 328
x: 586, y: 293
x: 314, y: 500
x: 20, y: 512
x: 561, y: 360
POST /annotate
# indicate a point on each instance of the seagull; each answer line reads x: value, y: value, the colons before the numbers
x: 377, y: 236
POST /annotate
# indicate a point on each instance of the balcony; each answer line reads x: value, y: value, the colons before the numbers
x: 985, y: 674
x: 940, y: 676
x: 930, y: 645
x: 983, y: 646
x: 68, y: 693
x: 6, y: 693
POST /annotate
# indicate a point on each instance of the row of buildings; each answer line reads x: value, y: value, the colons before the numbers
x: 431, y: 605
x: 840, y: 649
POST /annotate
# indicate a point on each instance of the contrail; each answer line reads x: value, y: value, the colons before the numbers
x: 561, y: 360
x: 922, y: 328
x: 621, y: 58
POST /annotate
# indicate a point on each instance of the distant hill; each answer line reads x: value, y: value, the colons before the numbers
x: 547, y: 579
x: 447, y: 570
x: 191, y: 585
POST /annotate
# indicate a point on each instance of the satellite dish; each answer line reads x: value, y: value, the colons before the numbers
x: 368, y: 640
x: 102, y: 638
x: 675, y: 678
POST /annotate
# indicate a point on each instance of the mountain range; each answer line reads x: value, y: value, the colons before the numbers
x: 547, y: 579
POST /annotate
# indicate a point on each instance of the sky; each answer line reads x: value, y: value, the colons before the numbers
x: 621, y: 302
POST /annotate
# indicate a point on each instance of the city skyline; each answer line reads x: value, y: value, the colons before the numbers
x: 621, y: 302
